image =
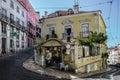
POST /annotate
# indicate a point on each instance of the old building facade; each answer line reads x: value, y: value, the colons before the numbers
x: 12, y: 26
x: 18, y: 25
x: 61, y: 30
x: 33, y: 27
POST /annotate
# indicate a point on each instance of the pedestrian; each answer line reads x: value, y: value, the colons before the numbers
x: 3, y: 51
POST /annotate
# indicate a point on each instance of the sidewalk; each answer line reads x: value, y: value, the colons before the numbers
x: 30, y: 65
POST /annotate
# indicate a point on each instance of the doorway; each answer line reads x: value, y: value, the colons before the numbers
x: 68, y: 34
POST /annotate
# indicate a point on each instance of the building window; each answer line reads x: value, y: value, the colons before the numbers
x: 11, y: 18
x: 83, y: 51
x: 22, y: 44
x: 18, y: 21
x: 11, y: 43
x: 85, y: 30
x: 22, y: 36
x: 4, y: 12
x: 11, y: 31
x: 22, y: 13
x: 23, y: 23
x: 4, y: 28
x: 4, y: 0
x: 11, y: 4
x: 18, y: 9
x: 18, y: 34
x: 17, y: 44
x: 51, y: 29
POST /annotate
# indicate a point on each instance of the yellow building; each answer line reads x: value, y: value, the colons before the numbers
x: 61, y: 30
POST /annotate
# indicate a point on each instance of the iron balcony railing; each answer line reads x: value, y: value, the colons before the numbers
x: 4, y: 18
x: 84, y: 34
x: 65, y: 35
x: 12, y: 22
x: 30, y: 24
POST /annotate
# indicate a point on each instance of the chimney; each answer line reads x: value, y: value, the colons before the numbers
x: 76, y: 8
x: 46, y: 14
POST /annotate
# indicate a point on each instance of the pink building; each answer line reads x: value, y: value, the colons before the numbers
x: 32, y: 23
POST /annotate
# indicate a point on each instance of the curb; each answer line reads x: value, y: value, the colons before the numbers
x: 30, y: 65
x: 49, y: 72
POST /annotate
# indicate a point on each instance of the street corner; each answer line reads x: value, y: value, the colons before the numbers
x: 32, y: 66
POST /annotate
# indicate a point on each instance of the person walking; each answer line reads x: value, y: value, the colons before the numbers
x: 3, y: 51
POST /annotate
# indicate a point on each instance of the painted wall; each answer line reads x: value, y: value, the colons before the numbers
x: 76, y: 21
x: 33, y: 17
x: 91, y: 63
x: 6, y: 5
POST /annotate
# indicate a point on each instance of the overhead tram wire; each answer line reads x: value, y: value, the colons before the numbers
x: 69, y: 7
x: 109, y: 16
x: 117, y: 19
x: 97, y: 4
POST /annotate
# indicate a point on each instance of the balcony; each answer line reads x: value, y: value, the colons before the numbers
x: 4, y: 34
x: 48, y: 36
x: 11, y: 35
x: 38, y: 34
x: 84, y: 34
x: 12, y: 22
x: 3, y: 18
x: 30, y: 24
x: 23, y: 28
x: 30, y: 34
x: 66, y: 35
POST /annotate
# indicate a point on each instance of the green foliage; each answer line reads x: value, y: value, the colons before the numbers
x: 94, y: 37
x: 98, y: 37
x: 85, y: 42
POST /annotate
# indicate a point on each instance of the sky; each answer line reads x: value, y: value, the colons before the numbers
x: 110, y: 13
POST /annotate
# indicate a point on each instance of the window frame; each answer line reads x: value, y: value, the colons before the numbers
x: 4, y: 0
x: 18, y: 9
x: 4, y: 28
x: 4, y: 12
x: 22, y: 14
x: 12, y: 4
x: 85, y: 28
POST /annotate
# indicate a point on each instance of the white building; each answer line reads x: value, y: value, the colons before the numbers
x: 12, y: 26
x: 113, y: 57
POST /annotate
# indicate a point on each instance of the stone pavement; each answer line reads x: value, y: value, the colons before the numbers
x: 30, y: 65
